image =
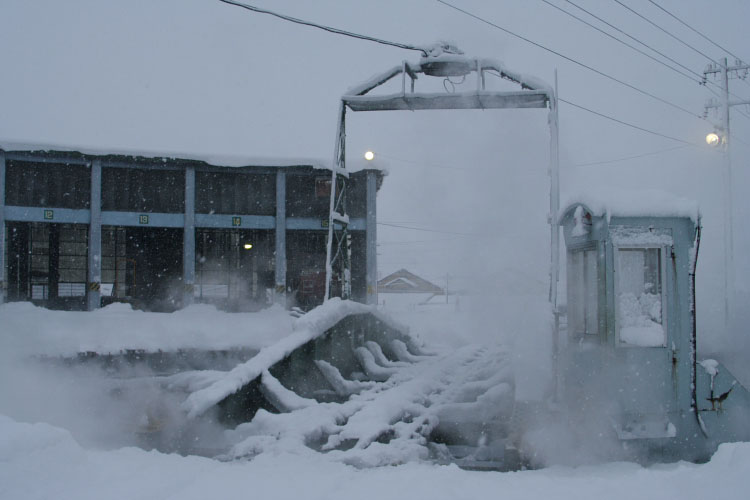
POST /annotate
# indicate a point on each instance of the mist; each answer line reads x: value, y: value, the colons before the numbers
x: 465, y: 202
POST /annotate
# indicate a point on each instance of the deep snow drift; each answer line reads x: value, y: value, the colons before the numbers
x: 86, y: 452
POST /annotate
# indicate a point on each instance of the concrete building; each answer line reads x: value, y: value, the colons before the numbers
x: 85, y: 228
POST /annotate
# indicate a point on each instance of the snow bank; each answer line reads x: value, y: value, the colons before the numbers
x: 27, y: 330
x: 45, y: 462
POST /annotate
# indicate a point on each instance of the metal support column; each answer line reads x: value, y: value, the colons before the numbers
x: 554, y: 209
x: 93, y: 295
x: 188, y: 240
x: 280, y: 253
x: 371, y: 240
x: 3, y: 249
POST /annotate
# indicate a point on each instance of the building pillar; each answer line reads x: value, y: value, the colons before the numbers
x: 280, y: 265
x: 93, y: 294
x: 3, y: 249
x: 188, y: 246
x: 371, y: 240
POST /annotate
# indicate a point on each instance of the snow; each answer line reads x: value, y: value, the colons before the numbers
x: 645, y: 202
x: 41, y: 461
x: 373, y: 370
x: 404, y: 407
x: 281, y: 397
x: 711, y: 366
x: 531, y: 82
x: 35, y: 331
x: 639, y: 236
x: 305, y: 329
x: 640, y: 319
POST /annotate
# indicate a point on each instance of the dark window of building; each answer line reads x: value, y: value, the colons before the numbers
x: 310, y: 196
x: 235, y: 193
x: 356, y: 190
x: 48, y: 263
x: 59, y: 185
x: 234, y: 268
x: 306, y: 266
x: 359, y: 266
x: 323, y: 187
x: 306, y: 196
x: 142, y: 190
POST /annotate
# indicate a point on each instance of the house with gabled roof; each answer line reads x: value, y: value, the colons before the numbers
x: 403, y: 281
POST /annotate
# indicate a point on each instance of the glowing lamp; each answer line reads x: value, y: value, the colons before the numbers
x: 369, y: 156
x: 713, y: 139
x: 248, y: 246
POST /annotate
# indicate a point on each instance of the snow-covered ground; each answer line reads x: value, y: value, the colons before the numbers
x: 54, y: 442
x: 39, y: 461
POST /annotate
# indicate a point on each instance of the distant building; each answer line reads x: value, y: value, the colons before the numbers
x: 402, y: 281
x: 85, y: 228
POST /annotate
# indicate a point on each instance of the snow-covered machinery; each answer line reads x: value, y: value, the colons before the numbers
x: 631, y: 352
x: 354, y: 385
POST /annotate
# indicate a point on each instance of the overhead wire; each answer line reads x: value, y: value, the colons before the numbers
x: 598, y: 18
x: 678, y: 38
x: 423, y: 50
x: 570, y: 59
x: 326, y: 28
x: 617, y: 120
x: 665, y: 31
x: 697, y: 75
x: 605, y: 162
x: 700, y: 78
x: 694, y: 30
x: 625, y: 123
x: 426, y: 230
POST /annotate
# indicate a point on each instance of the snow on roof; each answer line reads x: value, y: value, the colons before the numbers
x: 526, y: 81
x: 631, y: 203
x: 217, y: 160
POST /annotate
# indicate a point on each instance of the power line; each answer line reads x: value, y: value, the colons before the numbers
x: 624, y: 122
x: 695, y: 30
x: 605, y: 162
x: 426, y: 230
x: 567, y: 58
x: 665, y: 31
x: 645, y: 45
x: 330, y: 29
x: 634, y: 39
x: 617, y: 120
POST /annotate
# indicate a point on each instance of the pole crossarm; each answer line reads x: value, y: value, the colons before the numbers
x: 712, y: 103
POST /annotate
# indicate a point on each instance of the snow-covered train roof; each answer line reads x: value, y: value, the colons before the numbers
x: 216, y: 160
x: 630, y: 203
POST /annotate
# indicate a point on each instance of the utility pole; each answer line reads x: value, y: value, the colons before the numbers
x: 739, y: 70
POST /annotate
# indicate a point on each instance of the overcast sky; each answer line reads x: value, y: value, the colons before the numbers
x: 199, y: 76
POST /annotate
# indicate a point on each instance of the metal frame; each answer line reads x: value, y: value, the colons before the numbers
x: 533, y: 94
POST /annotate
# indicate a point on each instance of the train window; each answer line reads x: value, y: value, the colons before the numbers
x: 583, y: 310
x: 639, y: 297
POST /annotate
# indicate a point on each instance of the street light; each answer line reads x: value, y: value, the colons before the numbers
x: 369, y: 156
x: 248, y: 246
x: 713, y: 139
